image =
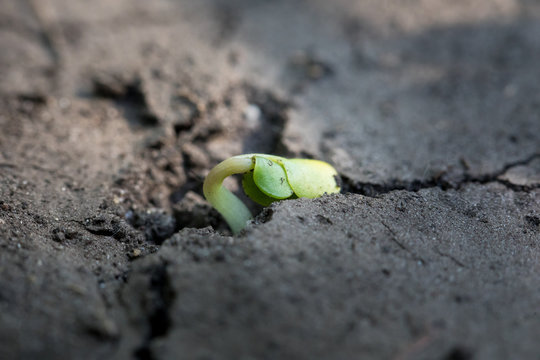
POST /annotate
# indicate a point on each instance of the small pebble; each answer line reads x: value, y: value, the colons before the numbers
x: 252, y: 113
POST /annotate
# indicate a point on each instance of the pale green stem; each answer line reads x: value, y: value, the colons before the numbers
x: 229, y: 206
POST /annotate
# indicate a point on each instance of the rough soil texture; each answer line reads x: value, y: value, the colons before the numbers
x: 112, y: 113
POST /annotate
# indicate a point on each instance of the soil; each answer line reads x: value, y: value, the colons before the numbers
x: 112, y: 113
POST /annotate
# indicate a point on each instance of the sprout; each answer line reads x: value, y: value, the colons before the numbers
x: 267, y: 178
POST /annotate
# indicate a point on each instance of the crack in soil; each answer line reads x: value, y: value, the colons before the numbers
x: 374, y: 189
x: 452, y: 258
x: 159, y: 319
x: 394, y: 239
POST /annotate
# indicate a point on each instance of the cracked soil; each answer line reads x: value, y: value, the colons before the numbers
x: 112, y: 113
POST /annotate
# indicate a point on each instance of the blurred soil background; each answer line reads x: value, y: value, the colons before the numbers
x: 112, y: 113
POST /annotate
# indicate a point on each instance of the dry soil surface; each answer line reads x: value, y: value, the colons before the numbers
x: 112, y: 113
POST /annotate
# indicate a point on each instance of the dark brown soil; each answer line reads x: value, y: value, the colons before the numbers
x: 112, y: 113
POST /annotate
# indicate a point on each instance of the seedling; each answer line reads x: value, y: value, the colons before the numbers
x: 267, y: 178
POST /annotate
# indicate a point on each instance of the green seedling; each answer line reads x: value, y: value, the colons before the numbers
x: 267, y: 178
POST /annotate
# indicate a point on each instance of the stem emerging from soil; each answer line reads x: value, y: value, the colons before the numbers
x: 229, y: 206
